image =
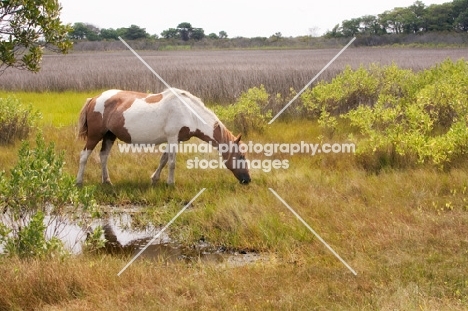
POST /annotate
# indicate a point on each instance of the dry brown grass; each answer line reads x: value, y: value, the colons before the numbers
x: 215, y: 76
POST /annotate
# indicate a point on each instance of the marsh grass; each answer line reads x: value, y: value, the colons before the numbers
x: 218, y: 77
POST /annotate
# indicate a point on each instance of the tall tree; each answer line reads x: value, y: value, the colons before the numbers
x: 26, y: 27
x: 460, y: 9
x: 185, y: 30
x: 370, y: 25
x: 440, y: 17
x: 170, y: 33
x: 82, y: 31
x: 418, y: 22
x: 334, y: 33
x: 134, y: 33
x: 109, y: 34
x: 223, y: 34
x: 395, y: 20
x: 197, y: 34
x: 350, y: 27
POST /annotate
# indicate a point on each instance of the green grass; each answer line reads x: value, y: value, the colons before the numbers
x: 403, y: 231
x: 57, y: 109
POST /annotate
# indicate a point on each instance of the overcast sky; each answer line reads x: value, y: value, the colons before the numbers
x: 246, y: 18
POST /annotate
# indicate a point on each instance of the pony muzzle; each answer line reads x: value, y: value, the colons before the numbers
x: 245, y: 180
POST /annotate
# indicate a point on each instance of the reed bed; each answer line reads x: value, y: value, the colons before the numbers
x: 215, y: 76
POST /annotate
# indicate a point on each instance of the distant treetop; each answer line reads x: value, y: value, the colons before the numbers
x: 417, y: 18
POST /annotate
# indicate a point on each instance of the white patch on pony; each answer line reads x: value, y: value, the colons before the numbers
x: 145, y: 123
x: 155, y: 124
x: 101, y: 100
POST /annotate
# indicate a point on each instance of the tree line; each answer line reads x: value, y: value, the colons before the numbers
x: 417, y: 18
x: 184, y: 31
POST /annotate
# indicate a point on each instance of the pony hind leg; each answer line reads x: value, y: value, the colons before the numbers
x: 84, y: 155
x: 107, y: 143
x: 157, y: 174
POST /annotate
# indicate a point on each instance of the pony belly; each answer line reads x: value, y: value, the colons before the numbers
x: 144, y: 139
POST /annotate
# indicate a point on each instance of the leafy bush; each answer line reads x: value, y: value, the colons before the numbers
x: 16, y: 120
x: 37, y: 188
x: 400, y: 118
x: 249, y: 112
x: 345, y: 92
x: 360, y: 87
x: 424, y: 122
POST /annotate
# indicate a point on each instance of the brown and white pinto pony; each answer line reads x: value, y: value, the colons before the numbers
x: 153, y: 119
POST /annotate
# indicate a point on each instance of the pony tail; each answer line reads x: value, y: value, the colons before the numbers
x: 82, y: 123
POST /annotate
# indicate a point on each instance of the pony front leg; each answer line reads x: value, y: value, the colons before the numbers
x: 172, y: 161
x: 105, y: 172
x: 157, y: 174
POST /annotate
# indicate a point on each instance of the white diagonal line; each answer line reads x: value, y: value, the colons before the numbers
x: 162, y: 80
x: 312, y: 230
x: 160, y: 232
x: 312, y: 81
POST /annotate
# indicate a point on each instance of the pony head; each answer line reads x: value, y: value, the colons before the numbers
x: 234, y: 159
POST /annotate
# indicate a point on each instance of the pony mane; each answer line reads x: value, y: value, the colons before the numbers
x: 226, y: 136
x: 199, y: 103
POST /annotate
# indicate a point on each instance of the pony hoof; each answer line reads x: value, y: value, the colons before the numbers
x: 79, y: 185
x: 107, y: 182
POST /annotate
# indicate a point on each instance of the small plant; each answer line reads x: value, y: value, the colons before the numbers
x: 327, y: 123
x: 16, y: 120
x: 36, y: 188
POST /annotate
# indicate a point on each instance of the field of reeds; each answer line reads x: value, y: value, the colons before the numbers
x: 403, y: 230
x: 215, y: 76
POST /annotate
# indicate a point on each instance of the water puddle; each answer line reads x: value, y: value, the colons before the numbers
x: 124, y: 238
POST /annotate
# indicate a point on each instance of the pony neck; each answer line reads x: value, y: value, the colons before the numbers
x: 221, y: 136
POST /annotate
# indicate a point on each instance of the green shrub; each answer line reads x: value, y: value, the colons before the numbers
x: 398, y: 117
x: 35, y: 188
x: 345, y: 92
x: 248, y: 113
x: 445, y: 93
x: 420, y: 119
x: 16, y: 120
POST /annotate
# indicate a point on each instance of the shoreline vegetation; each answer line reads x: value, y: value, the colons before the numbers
x: 423, y: 40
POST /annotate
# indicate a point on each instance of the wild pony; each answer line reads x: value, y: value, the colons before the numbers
x: 141, y: 118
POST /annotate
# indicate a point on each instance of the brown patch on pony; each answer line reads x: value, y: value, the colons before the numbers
x: 90, y: 124
x: 153, y: 98
x: 221, y: 135
x: 185, y: 134
x: 113, y: 117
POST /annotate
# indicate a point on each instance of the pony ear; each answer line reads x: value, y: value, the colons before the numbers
x: 238, y: 138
